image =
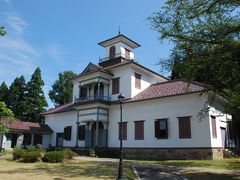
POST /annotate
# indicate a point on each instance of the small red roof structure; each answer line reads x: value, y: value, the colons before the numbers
x: 62, y: 108
x: 17, y: 125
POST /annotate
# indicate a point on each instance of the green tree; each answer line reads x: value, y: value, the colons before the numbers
x: 35, y: 99
x: 206, y: 38
x: 4, y: 93
x: 4, y: 112
x: 61, y: 92
x: 17, y: 97
x: 2, y: 31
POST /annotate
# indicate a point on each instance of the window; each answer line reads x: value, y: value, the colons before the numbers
x: 115, y: 86
x: 184, y: 127
x: 83, y: 92
x: 214, y: 129
x: 112, y: 52
x: 124, y: 131
x: 127, y: 54
x: 37, y: 139
x: 139, y: 130
x: 137, y: 81
x: 27, y: 139
x: 68, y: 133
x: 81, y: 132
x: 161, y: 128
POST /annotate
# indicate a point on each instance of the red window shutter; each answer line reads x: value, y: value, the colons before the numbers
x: 214, y: 128
x: 112, y: 52
x: 139, y: 130
x: 184, y: 127
x: 127, y: 54
x: 124, y: 130
x: 115, y: 86
x: 137, y: 81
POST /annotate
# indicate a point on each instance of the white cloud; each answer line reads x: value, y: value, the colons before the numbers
x: 16, y: 23
x: 17, y: 55
x: 55, y: 53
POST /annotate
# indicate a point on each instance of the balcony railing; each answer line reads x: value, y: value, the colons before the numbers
x: 92, y: 98
x: 115, y: 56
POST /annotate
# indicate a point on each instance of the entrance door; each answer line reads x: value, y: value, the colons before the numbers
x: 14, y: 140
x: 100, y: 126
x: 223, y: 133
x: 59, y: 140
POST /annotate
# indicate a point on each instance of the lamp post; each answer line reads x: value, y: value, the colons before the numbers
x: 120, y: 168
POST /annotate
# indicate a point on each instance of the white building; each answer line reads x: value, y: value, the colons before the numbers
x: 24, y: 134
x: 160, y: 117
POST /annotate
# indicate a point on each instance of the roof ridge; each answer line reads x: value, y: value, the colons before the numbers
x: 165, y: 82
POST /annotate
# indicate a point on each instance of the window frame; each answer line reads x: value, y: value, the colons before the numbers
x: 27, y: 139
x: 37, y: 138
x: 139, y: 133
x: 214, y: 127
x: 81, y: 132
x: 138, y: 78
x: 184, y: 128
x: 112, y: 52
x: 115, y: 85
x: 127, y: 53
x: 159, y: 133
x: 67, y: 134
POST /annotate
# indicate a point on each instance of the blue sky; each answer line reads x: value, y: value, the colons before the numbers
x: 63, y: 35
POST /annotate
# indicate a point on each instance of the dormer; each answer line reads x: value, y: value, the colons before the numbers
x: 117, y: 49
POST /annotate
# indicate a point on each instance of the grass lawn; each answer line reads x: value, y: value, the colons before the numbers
x: 197, y: 175
x: 12, y: 170
x: 230, y: 164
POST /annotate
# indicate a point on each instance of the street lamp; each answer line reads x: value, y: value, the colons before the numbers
x: 120, y: 168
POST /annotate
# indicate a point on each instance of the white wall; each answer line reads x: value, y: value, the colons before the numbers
x: 146, y: 80
x: 124, y: 72
x: 221, y: 122
x: 120, y: 48
x: 58, y: 121
x: 171, y: 108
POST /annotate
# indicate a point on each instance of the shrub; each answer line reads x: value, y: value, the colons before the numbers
x: 18, y: 153
x: 53, y: 156
x: 32, y: 155
x: 68, y: 153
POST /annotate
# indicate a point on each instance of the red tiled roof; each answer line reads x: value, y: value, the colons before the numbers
x: 63, y: 108
x: 18, y: 125
x: 169, y: 88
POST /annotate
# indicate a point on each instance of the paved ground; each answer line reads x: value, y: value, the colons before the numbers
x: 158, y: 171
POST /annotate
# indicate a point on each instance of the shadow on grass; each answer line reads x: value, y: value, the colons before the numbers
x: 210, y: 176
x: 230, y: 164
x: 98, y: 170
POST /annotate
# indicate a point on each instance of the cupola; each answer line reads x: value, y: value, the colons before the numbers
x: 117, y: 49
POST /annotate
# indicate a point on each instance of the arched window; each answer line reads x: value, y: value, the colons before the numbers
x: 112, y: 52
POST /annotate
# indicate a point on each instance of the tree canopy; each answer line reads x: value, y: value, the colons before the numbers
x: 2, y: 31
x: 206, y: 35
x: 4, y: 93
x: 35, y: 99
x: 4, y: 112
x: 61, y: 92
x: 17, y: 97
x: 206, y: 38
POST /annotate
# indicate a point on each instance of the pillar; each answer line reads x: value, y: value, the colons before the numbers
x: 77, y: 131
x: 97, y: 127
x: 79, y: 98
